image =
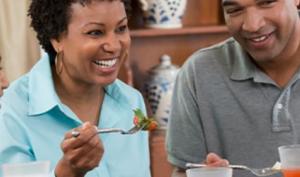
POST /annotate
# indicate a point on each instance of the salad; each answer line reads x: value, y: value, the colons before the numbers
x: 141, y: 120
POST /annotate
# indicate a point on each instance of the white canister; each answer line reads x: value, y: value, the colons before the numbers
x: 158, y: 89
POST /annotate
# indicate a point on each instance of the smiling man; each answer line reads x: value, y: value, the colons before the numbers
x: 239, y: 100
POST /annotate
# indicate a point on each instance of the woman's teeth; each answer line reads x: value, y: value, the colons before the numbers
x: 106, y: 63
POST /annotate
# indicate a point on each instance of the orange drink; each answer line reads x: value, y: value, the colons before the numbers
x: 291, y: 172
x: 290, y: 160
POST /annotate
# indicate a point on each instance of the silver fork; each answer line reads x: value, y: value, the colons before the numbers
x: 133, y: 130
x: 256, y: 171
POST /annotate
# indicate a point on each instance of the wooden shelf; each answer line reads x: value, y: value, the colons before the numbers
x: 180, y: 31
x: 203, y: 26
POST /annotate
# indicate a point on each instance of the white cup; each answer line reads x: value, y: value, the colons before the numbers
x: 28, y: 169
x: 290, y: 160
x: 209, y: 172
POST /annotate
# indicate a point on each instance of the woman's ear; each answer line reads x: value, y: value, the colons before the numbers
x: 57, y: 45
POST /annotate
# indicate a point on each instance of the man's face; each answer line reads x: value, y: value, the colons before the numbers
x: 264, y: 28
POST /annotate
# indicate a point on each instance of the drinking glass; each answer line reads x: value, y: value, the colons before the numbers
x: 209, y: 172
x: 290, y: 160
x: 28, y: 169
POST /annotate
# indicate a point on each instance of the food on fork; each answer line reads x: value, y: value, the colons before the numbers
x: 141, y: 120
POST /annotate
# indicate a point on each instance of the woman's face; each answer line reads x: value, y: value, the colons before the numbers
x: 95, y: 44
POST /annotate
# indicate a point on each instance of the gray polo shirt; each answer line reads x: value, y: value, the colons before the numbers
x: 224, y: 104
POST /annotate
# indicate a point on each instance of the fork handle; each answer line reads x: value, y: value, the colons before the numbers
x: 109, y: 130
x: 239, y: 167
x: 196, y: 165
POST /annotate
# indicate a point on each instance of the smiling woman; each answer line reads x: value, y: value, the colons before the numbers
x: 75, y: 87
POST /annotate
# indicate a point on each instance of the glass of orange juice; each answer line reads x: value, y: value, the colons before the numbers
x: 290, y: 160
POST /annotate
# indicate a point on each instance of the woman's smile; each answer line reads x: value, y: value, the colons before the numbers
x: 106, y: 66
x: 107, y: 63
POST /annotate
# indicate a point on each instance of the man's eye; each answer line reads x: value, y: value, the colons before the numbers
x: 122, y: 29
x: 233, y: 11
x: 95, y: 33
x: 266, y: 3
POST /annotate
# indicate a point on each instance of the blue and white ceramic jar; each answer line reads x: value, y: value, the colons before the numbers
x: 163, y: 13
x: 158, y: 89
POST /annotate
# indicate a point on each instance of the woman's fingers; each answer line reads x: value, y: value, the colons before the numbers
x: 85, y: 151
x: 90, y: 160
x: 86, y: 132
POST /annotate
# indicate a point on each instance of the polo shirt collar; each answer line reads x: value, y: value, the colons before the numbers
x: 116, y: 105
x: 244, y: 68
x: 42, y: 95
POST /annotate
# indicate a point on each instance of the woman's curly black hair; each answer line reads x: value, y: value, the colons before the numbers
x: 50, y: 18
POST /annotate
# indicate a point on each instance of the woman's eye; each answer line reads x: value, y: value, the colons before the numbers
x: 95, y: 33
x: 122, y: 29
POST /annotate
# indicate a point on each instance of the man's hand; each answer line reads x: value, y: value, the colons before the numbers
x: 81, y: 154
x: 214, y: 160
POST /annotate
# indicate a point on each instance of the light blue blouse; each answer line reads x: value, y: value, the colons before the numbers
x: 33, y: 122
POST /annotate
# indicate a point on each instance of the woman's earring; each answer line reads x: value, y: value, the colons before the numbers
x: 58, y: 62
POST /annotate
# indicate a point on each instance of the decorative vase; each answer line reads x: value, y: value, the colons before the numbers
x: 158, y: 89
x: 163, y: 13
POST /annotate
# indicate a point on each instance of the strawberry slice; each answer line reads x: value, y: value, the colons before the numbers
x: 135, y: 120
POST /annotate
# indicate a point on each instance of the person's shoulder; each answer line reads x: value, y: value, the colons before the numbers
x: 223, y: 53
x: 17, y: 89
x: 14, y: 102
x: 123, y: 85
x: 21, y: 85
x: 127, y: 94
x: 127, y: 89
x: 212, y: 61
x: 216, y: 51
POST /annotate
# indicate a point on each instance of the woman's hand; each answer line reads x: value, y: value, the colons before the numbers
x: 81, y: 154
x: 214, y: 160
